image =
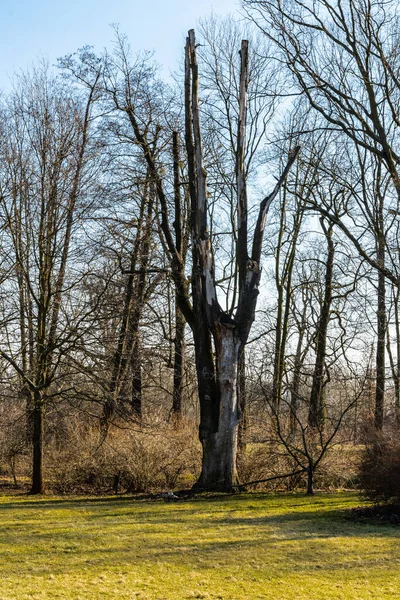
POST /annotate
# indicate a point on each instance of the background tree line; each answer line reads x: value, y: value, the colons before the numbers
x: 219, y: 253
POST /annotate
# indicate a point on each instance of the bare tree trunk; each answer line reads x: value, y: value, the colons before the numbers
x: 243, y: 408
x: 179, y: 363
x: 279, y: 343
x: 310, y: 481
x: 182, y: 232
x: 381, y: 338
x: 298, y: 362
x: 137, y: 290
x: 123, y: 352
x: 218, y: 338
x: 316, y: 415
x: 220, y: 446
x: 136, y: 369
x: 283, y: 282
x: 13, y: 460
x: 221, y: 410
x: 37, y: 442
x: 396, y: 371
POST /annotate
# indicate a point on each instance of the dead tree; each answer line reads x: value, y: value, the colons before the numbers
x: 218, y: 378
x: 219, y: 337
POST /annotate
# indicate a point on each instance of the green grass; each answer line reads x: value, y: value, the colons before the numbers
x: 243, y: 547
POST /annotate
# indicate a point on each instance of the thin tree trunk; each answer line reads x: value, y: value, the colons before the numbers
x: 136, y: 369
x: 310, y: 481
x: 179, y: 363
x: 181, y: 242
x: 316, y: 415
x: 13, y: 459
x: 381, y: 308
x: 381, y: 338
x: 283, y: 281
x: 298, y: 362
x: 122, y: 355
x: 396, y: 374
x: 127, y: 352
x: 243, y: 408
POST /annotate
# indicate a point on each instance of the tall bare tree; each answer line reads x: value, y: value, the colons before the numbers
x: 46, y: 165
x: 219, y: 337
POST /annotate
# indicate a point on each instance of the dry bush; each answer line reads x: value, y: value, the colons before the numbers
x: 156, y: 457
x: 266, y: 460
x: 266, y: 457
x: 379, y: 472
x: 14, y: 446
x: 339, y: 468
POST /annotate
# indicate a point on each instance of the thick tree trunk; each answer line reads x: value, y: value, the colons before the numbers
x: 220, y: 443
x: 37, y: 441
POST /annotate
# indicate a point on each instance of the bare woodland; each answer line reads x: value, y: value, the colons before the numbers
x: 199, y: 279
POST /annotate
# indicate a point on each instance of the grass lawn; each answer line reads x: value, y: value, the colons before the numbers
x: 287, y: 547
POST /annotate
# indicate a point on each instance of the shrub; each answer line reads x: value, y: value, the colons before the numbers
x: 379, y: 475
x: 154, y: 458
x: 13, y: 439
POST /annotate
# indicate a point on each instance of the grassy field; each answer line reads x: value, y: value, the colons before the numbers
x: 245, y: 547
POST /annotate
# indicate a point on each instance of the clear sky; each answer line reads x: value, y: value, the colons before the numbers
x: 53, y: 28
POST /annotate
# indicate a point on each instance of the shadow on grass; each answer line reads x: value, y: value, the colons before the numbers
x: 285, y: 513
x: 21, y: 502
x: 297, y: 499
x: 283, y: 533
x: 270, y: 548
x: 277, y: 511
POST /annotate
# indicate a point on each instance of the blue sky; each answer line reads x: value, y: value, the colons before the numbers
x: 52, y: 28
